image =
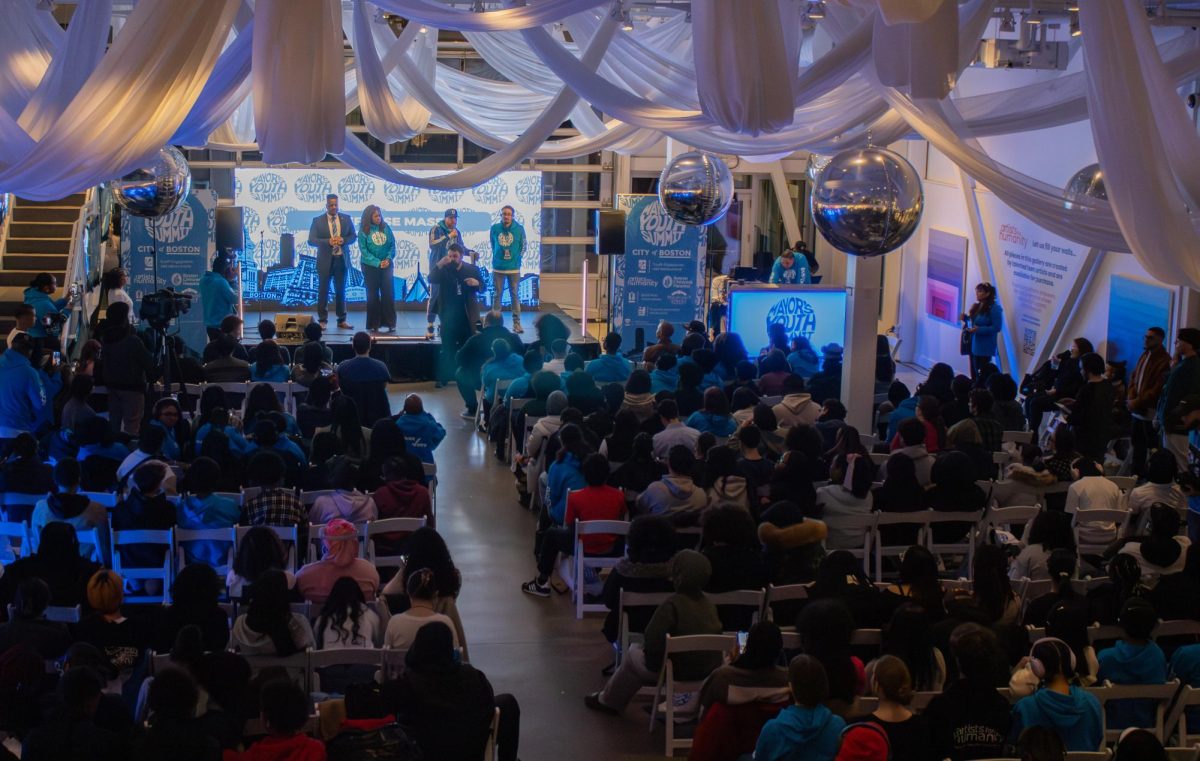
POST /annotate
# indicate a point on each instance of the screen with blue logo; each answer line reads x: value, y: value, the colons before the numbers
x: 817, y: 314
x: 278, y: 201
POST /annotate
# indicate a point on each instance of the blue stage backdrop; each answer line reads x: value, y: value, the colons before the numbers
x: 661, y: 275
x: 818, y: 314
x: 278, y: 201
x: 186, y: 241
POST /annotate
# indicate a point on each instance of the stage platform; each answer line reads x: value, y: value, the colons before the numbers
x: 407, y: 353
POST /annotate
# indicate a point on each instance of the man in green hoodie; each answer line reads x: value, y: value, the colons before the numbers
x: 508, y: 247
x: 686, y: 612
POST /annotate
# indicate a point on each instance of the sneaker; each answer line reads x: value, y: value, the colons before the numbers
x: 322, y: 321
x: 532, y: 587
x: 517, y: 327
x: 467, y: 414
x: 593, y: 702
x: 429, y: 332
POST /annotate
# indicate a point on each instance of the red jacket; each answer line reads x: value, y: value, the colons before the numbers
x: 272, y: 748
x: 595, y: 503
x: 727, y: 733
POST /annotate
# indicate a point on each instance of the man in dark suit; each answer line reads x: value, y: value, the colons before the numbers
x: 332, y: 233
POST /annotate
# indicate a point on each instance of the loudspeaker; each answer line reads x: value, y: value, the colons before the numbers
x: 290, y: 326
x: 231, y: 236
x: 287, y: 250
x: 610, y: 232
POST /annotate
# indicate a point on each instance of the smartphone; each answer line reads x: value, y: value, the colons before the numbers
x: 56, y: 359
x: 741, y: 641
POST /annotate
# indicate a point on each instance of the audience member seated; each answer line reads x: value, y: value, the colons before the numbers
x: 505, y: 365
x: 907, y: 636
x: 688, y: 395
x: 148, y: 452
x: 269, y: 627
x: 727, y: 487
x: 802, y: 359
x: 741, y: 405
x: 1160, y: 487
x: 59, y: 562
x: 402, y: 628
x: 774, y: 442
x: 825, y: 628
x: 731, y: 545
x: 827, y: 384
x: 618, y: 445
x: 449, y: 704
x: 796, y: 407
x: 596, y: 501
x: 1005, y: 407
x: 267, y: 332
x: 267, y: 436
x: 674, y: 433
x: 1139, y: 745
x: 340, y: 542
x: 806, y: 730
x: 1069, y: 711
x: 269, y: 365
x: 1161, y: 550
x: 963, y: 437
x: 900, y: 492
x: 346, y: 502
x: 991, y: 430
x: 953, y: 490
x: 312, y: 366
x: 285, y: 708
x: 422, y: 433
x: 831, y: 420
x: 907, y: 732
x: 346, y: 621
x: 687, y: 611
x: 194, y: 602
x: 991, y: 600
x: 1135, y: 659
x: 773, y: 373
x: 387, y: 441
x: 168, y: 416
x: 638, y: 396
x: 662, y: 345
x: 791, y: 543
x: 583, y: 394
x: 610, y: 367
x: 1092, y: 491
x: 757, y: 469
x: 77, y: 410
x: 918, y: 583
x: 565, y: 472
x: 664, y: 373
x: 146, y: 508
x: 66, y: 505
x: 225, y: 366
x: 99, y: 455
x: 219, y: 420
x: 28, y: 626
x: 274, y: 505
x: 911, y: 438
x: 402, y: 495
x: 23, y: 471
x: 260, y: 550
x: 427, y: 549
x: 173, y: 731
x: 70, y: 730
x: 675, y: 495
x: 851, y: 496
x: 840, y: 576
x: 122, y: 640
x: 641, y: 469
x: 230, y: 331
x: 314, y: 411
x: 970, y: 719
x: 1059, y: 568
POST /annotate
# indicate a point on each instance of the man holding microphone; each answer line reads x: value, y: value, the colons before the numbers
x: 441, y: 237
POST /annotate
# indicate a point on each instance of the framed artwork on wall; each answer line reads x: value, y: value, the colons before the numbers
x: 945, y: 275
x: 1133, y: 306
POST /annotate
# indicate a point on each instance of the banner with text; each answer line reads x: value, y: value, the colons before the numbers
x: 285, y: 201
x: 661, y: 275
x: 185, y: 242
x: 1035, y: 269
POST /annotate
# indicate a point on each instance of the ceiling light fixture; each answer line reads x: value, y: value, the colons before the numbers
x: 423, y: 29
x: 816, y: 10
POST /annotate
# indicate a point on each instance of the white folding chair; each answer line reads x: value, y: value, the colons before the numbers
x: 431, y: 483
x: 10, y: 530
x: 514, y: 405
x: 879, y: 458
x: 963, y: 546
x: 1017, y: 437
x: 1177, y: 719
x: 491, y: 751
x: 628, y: 601
x: 346, y: 656
x: 1177, y: 628
x: 290, y: 535
x: 916, y: 519
x: 573, y: 570
x: 668, y: 686
x: 1124, y: 483
x: 393, y: 662
x: 185, y: 535
x: 694, y: 534
x: 1183, y: 754
x: 730, y: 603
x: 771, y: 401
x: 388, y: 526
x: 863, y: 525
x: 106, y: 499
x: 786, y: 593
x: 296, y: 666
x: 867, y: 638
x: 1119, y: 519
x: 1104, y: 633
x: 1006, y: 518
x: 234, y: 496
x: 161, y: 573
x: 530, y: 422
x: 1160, y: 694
x: 64, y: 614
x: 1089, y: 755
x: 18, y: 507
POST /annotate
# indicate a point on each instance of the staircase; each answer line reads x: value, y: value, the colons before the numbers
x: 39, y: 240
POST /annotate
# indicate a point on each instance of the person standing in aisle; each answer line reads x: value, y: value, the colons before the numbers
x: 983, y: 321
x: 508, y: 247
x: 441, y: 236
x: 378, y: 249
x: 454, y: 290
x: 1145, y: 386
x: 1182, y: 381
x: 331, y: 234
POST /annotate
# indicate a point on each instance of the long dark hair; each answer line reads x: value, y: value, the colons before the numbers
x: 908, y: 638
x: 345, y: 604
x: 365, y: 224
x: 985, y: 306
x: 269, y: 612
x: 572, y: 442
x: 993, y: 590
x: 261, y: 550
x: 347, y: 426
x: 825, y: 627
x: 764, y: 643
x: 261, y: 400
x: 427, y: 549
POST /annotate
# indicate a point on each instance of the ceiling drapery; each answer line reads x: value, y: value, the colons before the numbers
x: 273, y: 76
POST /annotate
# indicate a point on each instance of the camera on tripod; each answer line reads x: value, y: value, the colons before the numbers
x: 164, y: 305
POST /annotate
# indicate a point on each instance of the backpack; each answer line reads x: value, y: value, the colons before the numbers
x: 386, y: 743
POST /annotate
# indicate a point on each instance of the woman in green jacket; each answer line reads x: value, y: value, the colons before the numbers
x: 377, y: 245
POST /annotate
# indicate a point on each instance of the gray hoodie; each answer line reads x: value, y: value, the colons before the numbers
x: 797, y: 409
x: 676, y: 497
x: 246, y: 641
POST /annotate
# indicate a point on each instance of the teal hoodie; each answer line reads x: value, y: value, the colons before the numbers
x: 43, y: 306
x: 1075, y: 717
x: 377, y: 244
x: 664, y: 380
x: 800, y: 734
x: 508, y: 246
x: 217, y: 298
x: 1129, y: 663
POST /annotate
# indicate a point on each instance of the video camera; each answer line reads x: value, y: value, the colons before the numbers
x: 164, y: 305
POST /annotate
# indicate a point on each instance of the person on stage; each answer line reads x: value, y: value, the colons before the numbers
x: 508, y: 246
x: 984, y: 320
x: 218, y: 297
x: 378, y: 249
x: 332, y: 233
x: 440, y: 237
x: 788, y: 270
x: 454, y: 288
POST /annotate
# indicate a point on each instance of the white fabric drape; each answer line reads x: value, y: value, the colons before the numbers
x: 536, y: 13
x: 298, y: 88
x: 28, y: 39
x: 1144, y: 141
x: 390, y: 114
x: 227, y: 91
x: 128, y: 108
x: 77, y: 56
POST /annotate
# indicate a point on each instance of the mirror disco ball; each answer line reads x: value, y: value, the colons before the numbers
x: 1087, y: 183
x: 156, y: 189
x: 696, y: 188
x: 867, y: 202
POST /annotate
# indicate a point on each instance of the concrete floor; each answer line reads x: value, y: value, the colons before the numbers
x: 531, y: 647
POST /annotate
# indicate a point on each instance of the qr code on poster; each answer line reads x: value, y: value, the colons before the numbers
x: 1029, y: 341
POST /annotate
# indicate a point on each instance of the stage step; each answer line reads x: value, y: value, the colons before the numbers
x: 44, y: 214
x: 39, y: 240
x: 38, y: 246
x: 17, y: 277
x: 55, y: 264
x: 75, y: 200
x: 41, y: 229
